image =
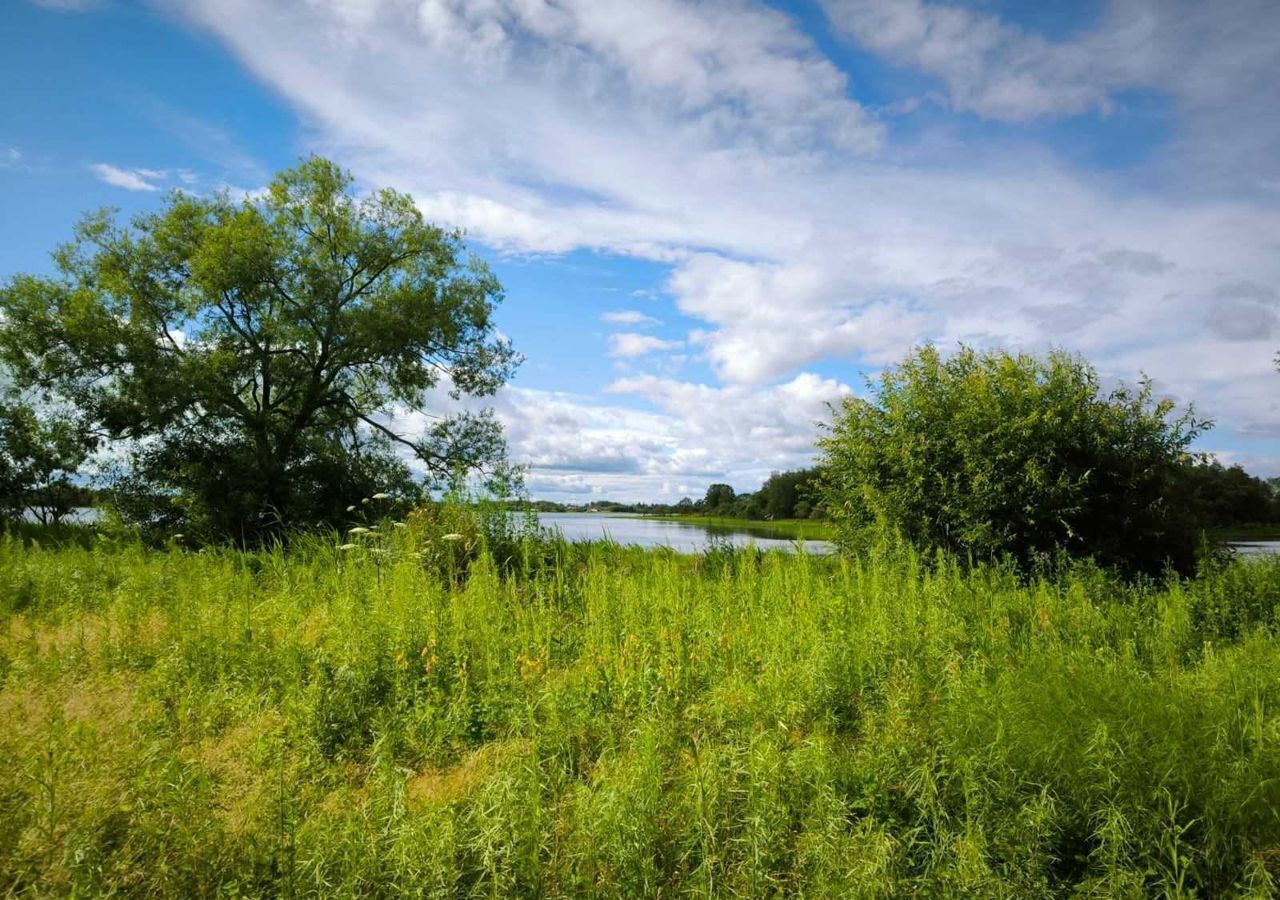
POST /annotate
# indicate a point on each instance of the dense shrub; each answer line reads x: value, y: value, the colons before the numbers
x: 996, y: 454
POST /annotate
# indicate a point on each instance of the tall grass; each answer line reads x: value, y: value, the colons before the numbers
x: 603, y: 721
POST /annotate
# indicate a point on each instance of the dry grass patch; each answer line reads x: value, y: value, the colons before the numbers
x: 443, y: 787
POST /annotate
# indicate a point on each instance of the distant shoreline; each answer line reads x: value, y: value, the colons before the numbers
x: 792, y: 529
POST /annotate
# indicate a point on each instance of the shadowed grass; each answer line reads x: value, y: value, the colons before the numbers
x: 589, y: 720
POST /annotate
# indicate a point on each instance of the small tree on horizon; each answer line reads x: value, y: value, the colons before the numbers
x: 719, y: 496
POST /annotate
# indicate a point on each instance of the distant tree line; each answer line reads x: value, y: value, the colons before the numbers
x: 1229, y: 497
x: 784, y: 495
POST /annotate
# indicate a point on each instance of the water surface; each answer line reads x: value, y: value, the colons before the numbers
x: 1255, y: 548
x: 683, y: 537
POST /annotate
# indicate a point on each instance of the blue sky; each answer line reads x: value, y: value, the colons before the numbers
x: 712, y: 218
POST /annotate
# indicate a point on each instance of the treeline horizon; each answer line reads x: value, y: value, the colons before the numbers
x: 1222, y: 497
x: 787, y: 494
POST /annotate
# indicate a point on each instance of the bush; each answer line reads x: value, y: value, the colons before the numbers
x: 995, y: 454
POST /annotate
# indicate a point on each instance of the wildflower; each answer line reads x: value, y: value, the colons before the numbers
x: 381, y: 496
x: 359, y: 529
x: 349, y: 547
x: 365, y: 500
x: 399, y: 525
x: 351, y: 508
x: 451, y: 537
x: 178, y: 537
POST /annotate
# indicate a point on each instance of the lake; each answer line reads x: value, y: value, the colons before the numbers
x: 683, y: 537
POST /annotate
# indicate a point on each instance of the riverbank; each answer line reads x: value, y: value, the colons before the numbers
x: 784, y: 529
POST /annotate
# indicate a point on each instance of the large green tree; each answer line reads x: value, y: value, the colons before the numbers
x: 266, y: 357
x: 998, y: 454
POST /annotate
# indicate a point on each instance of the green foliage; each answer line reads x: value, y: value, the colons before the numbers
x: 614, y: 722
x: 790, y: 495
x: 994, y: 454
x: 719, y: 498
x: 255, y: 352
x: 1228, y: 496
x: 38, y: 457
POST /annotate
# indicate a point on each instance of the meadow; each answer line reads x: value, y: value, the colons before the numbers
x: 425, y: 714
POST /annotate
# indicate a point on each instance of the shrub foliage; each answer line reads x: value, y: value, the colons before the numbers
x: 993, y: 454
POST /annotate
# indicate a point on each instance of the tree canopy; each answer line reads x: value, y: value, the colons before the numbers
x: 38, y: 457
x: 998, y: 454
x: 789, y: 495
x: 263, y: 358
x: 719, y: 497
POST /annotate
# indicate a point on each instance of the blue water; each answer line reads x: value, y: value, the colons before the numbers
x: 683, y: 537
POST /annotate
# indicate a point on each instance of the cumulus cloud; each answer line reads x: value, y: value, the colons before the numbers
x: 689, y: 436
x: 129, y: 179
x: 632, y: 344
x: 714, y: 138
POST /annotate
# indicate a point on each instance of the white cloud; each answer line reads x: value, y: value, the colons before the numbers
x: 1216, y: 61
x: 631, y: 344
x: 995, y: 69
x: 628, y: 317
x: 714, y: 138
x: 692, y: 435
x: 10, y: 156
x: 68, y: 5
x: 129, y: 179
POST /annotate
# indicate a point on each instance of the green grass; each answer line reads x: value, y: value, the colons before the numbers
x: 786, y: 529
x: 602, y: 721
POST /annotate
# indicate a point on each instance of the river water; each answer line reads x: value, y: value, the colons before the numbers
x: 695, y: 537
x: 688, y: 537
x: 1255, y: 548
x: 683, y: 537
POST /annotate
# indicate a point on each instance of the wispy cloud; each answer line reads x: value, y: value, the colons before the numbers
x: 68, y: 5
x: 206, y: 140
x: 131, y: 179
x: 627, y: 344
x: 999, y: 70
x: 629, y: 317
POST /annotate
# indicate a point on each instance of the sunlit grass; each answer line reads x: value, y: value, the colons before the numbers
x: 409, y: 717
